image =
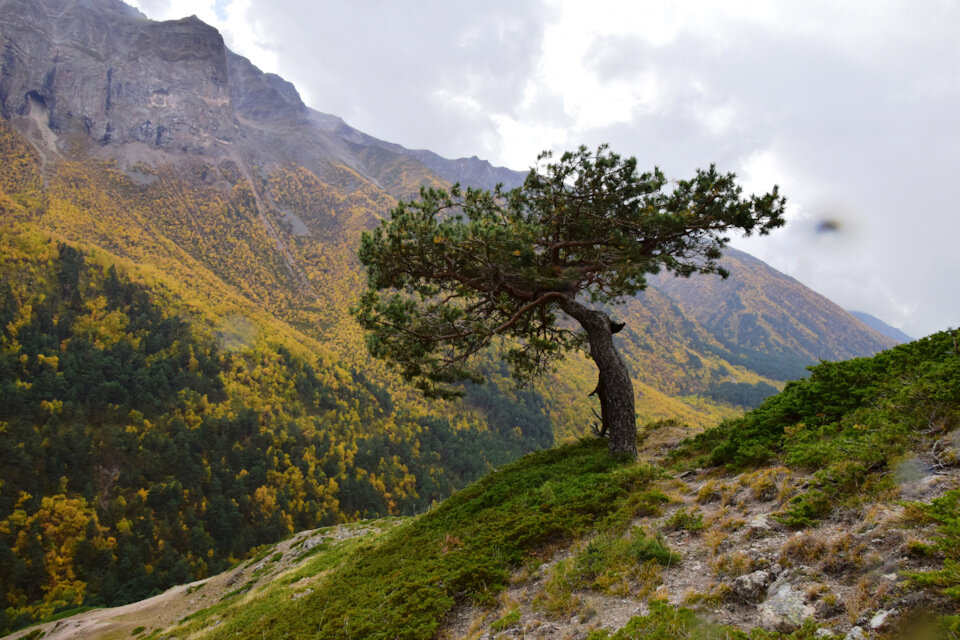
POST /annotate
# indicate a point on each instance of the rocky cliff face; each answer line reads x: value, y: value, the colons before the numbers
x: 99, y: 73
x: 102, y: 69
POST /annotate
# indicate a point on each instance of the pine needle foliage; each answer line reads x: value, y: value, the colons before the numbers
x: 462, y: 268
x: 452, y: 273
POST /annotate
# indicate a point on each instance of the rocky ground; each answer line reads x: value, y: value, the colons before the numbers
x: 740, y: 566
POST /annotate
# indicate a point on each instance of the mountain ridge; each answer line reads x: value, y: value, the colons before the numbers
x: 881, y: 327
x: 314, y: 189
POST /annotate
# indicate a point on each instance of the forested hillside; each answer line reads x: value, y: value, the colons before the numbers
x: 769, y: 322
x: 151, y: 438
x: 143, y: 448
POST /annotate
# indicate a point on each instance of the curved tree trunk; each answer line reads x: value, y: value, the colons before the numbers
x: 615, y: 387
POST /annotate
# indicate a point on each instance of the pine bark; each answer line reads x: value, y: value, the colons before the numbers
x: 615, y: 388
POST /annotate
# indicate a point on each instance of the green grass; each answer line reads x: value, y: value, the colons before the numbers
x: 401, y: 584
x: 612, y: 563
x: 851, y: 423
x: 237, y: 592
x: 508, y: 620
x: 606, y: 555
x: 684, y: 520
x: 945, y: 513
x: 666, y: 622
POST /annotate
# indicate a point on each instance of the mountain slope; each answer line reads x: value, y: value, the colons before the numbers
x: 218, y: 119
x: 154, y: 431
x: 571, y: 543
x: 758, y: 312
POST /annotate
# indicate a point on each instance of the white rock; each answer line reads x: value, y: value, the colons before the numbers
x: 759, y: 523
x: 785, y: 609
x: 856, y: 633
x: 880, y: 620
x: 753, y: 586
x: 823, y: 633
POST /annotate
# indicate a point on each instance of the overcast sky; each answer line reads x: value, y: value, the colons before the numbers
x: 853, y: 108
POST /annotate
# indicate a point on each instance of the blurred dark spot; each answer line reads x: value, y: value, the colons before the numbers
x: 827, y: 226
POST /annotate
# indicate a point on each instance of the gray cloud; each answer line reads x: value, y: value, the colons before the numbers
x: 881, y: 139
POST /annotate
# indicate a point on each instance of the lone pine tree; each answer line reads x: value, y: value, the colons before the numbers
x: 454, y: 271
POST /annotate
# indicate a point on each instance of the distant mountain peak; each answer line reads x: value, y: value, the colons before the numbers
x: 881, y: 327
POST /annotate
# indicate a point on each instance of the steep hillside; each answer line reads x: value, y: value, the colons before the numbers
x: 158, y: 421
x: 144, y: 447
x: 569, y: 543
x: 768, y: 321
x: 192, y: 133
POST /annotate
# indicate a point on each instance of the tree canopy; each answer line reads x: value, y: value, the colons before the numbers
x: 452, y: 272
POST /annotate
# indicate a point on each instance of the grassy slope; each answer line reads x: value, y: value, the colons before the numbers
x: 853, y: 423
x: 463, y: 552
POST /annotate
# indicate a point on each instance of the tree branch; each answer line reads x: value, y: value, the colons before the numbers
x: 553, y: 295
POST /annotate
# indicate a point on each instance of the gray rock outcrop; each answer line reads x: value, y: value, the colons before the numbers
x: 784, y: 609
x: 109, y: 81
x: 753, y: 586
x: 102, y: 69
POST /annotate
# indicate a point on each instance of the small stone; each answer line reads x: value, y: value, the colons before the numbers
x: 828, y: 608
x: 753, y: 586
x: 823, y: 633
x: 855, y: 633
x: 880, y: 620
x: 892, y: 577
x: 759, y: 523
x: 785, y: 609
